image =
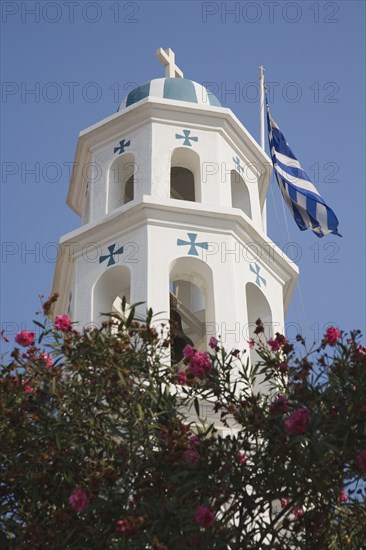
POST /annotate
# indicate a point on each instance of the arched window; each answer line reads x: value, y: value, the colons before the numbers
x: 181, y: 184
x: 191, y: 291
x: 185, y: 175
x: 109, y: 290
x: 121, y: 181
x: 257, y: 308
x: 240, y: 197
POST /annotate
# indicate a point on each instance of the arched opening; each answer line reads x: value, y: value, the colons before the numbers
x: 191, y: 296
x: 257, y: 308
x: 185, y: 175
x: 129, y: 189
x: 109, y: 291
x: 240, y: 197
x: 181, y: 184
x: 121, y: 181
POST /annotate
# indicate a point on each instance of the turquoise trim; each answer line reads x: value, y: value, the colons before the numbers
x: 179, y: 89
x: 192, y: 244
x: 122, y: 145
x: 259, y: 279
x: 186, y: 137
x: 138, y: 93
x: 110, y: 256
x: 213, y: 99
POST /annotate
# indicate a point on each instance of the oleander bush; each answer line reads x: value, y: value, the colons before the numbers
x: 105, y: 445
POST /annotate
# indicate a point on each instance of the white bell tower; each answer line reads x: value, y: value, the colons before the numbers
x: 171, y: 191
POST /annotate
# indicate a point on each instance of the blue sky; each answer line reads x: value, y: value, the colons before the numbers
x: 66, y: 65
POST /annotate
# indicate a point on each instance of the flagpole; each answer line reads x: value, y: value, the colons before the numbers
x: 261, y: 106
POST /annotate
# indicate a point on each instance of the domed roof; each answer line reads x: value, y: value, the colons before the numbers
x: 178, y: 89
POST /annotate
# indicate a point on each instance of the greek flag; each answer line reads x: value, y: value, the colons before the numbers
x: 306, y: 205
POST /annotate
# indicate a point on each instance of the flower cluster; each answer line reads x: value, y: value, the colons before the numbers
x: 123, y: 526
x: 280, y: 342
x: 146, y: 443
x: 205, y: 516
x: 241, y: 457
x: 298, y: 422
x: 25, y: 338
x: 361, y: 460
x: 63, y: 322
x: 79, y: 500
x: 199, y: 365
x: 23, y: 384
x: 191, y: 455
x: 47, y: 359
x: 213, y: 343
x: 298, y: 512
x: 280, y: 405
x: 332, y: 335
x: 343, y: 496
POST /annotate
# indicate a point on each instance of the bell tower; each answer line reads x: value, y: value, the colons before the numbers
x: 171, y: 192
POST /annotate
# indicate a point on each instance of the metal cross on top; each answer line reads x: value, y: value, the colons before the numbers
x: 167, y: 57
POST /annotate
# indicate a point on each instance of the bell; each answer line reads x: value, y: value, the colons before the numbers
x: 179, y: 339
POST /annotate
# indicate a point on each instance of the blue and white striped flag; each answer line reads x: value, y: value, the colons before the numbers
x: 306, y: 205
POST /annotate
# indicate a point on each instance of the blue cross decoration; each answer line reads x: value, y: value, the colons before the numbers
x: 259, y: 278
x: 122, y: 145
x: 111, y: 255
x: 186, y: 137
x: 238, y: 166
x: 192, y: 243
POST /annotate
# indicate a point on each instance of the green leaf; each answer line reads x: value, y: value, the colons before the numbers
x: 196, y: 406
x: 39, y: 324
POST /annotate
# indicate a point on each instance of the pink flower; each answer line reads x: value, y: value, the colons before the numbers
x: 182, y: 377
x: 200, y: 364
x: 123, y: 526
x: 188, y: 352
x: 47, y: 358
x: 62, y: 322
x: 251, y: 343
x: 213, y: 342
x: 283, y: 367
x: 78, y: 500
x: 194, y: 441
x: 281, y: 405
x: 361, y: 350
x: 274, y: 344
x: 26, y: 388
x: 241, y: 457
x: 25, y: 338
x: 190, y: 456
x: 297, y: 422
x: 298, y: 512
x: 332, y: 335
x: 204, y: 516
x: 343, y: 496
x: 284, y: 502
x: 361, y: 460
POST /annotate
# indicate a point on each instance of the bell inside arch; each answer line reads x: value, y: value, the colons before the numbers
x: 179, y: 340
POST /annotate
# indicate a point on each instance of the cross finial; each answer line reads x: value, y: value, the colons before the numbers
x: 167, y: 57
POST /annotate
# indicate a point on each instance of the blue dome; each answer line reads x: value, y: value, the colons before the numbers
x: 178, y: 89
